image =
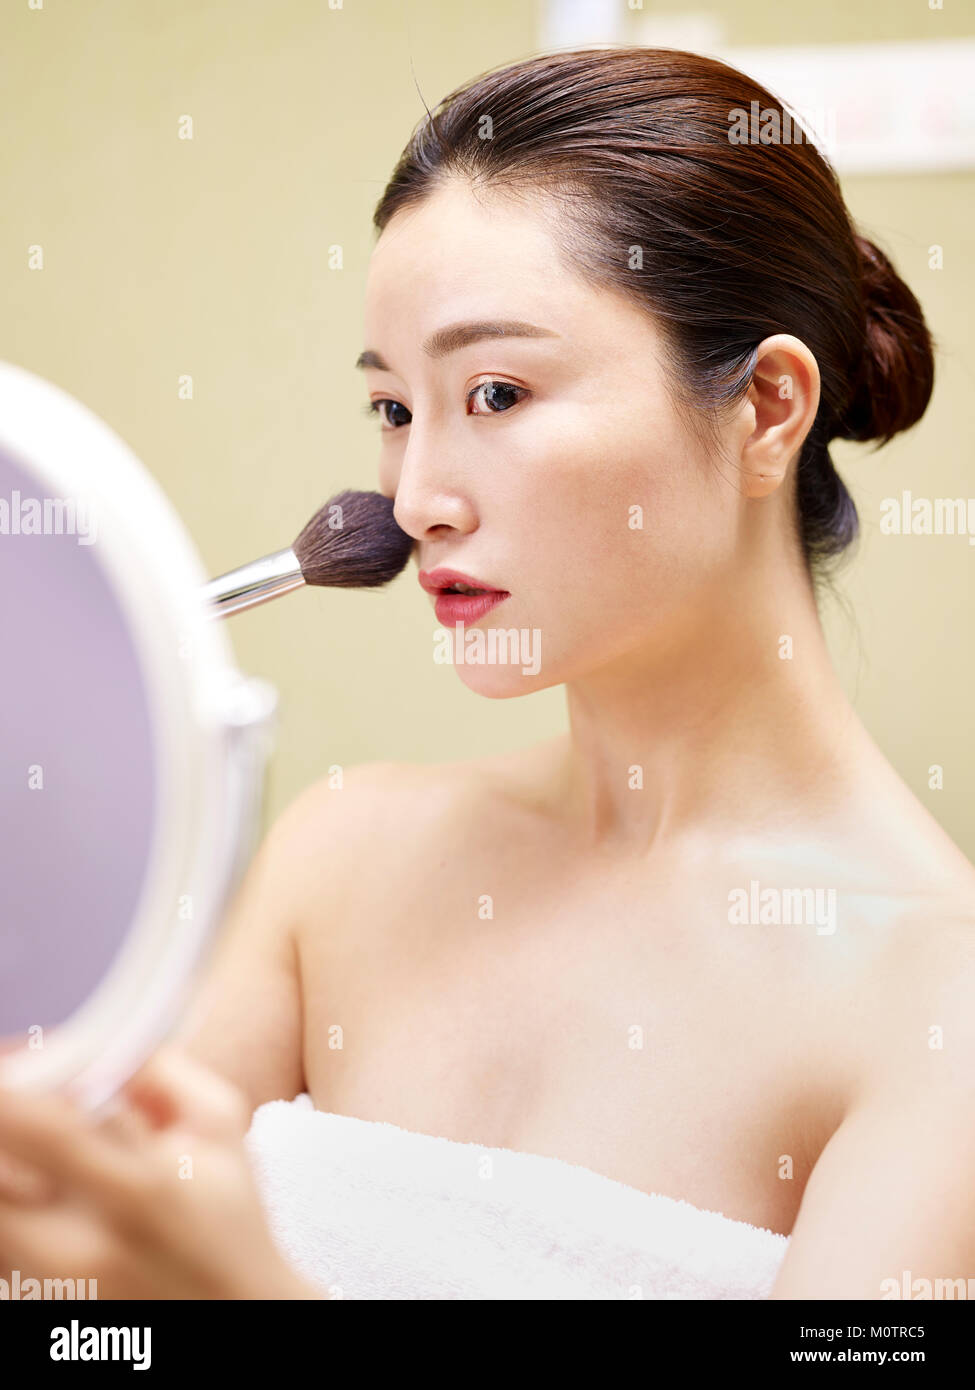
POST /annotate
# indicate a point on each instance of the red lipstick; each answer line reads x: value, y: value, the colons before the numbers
x: 460, y: 607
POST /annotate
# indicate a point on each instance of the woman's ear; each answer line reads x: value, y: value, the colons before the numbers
x: 784, y: 396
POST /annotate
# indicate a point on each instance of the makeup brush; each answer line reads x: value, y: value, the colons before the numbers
x: 352, y: 542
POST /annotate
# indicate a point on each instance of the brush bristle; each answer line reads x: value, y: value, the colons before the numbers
x: 353, y: 542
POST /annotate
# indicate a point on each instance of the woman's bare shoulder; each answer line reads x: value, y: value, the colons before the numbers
x: 385, y: 817
x: 917, y: 996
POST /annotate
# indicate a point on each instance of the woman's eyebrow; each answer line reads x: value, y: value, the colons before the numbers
x: 458, y: 335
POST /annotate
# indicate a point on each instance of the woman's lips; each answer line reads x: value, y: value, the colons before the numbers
x: 466, y: 608
x: 454, y: 608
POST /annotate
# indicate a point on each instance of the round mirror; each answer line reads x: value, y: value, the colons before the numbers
x: 132, y: 752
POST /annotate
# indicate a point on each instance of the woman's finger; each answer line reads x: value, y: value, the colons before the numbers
x: 50, y: 1133
x: 173, y: 1089
x: 19, y: 1182
x: 55, y: 1240
x: 122, y: 1121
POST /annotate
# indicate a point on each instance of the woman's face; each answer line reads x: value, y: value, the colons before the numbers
x: 552, y: 467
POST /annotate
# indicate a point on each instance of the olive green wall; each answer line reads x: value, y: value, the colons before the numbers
x: 208, y: 257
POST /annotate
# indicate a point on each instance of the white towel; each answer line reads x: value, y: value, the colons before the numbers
x: 368, y: 1210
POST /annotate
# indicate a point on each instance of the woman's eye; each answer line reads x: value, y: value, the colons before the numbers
x: 497, y: 396
x: 493, y: 396
x: 376, y: 408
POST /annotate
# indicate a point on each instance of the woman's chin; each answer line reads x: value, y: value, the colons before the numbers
x: 494, y: 661
x: 502, y: 682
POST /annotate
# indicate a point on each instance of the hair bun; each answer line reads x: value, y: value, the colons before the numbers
x: 896, y: 375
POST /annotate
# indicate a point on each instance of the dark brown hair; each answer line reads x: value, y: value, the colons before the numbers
x: 723, y: 243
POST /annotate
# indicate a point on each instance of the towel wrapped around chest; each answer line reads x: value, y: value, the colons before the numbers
x: 366, y: 1209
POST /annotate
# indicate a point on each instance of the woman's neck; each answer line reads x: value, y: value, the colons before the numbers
x: 743, y: 711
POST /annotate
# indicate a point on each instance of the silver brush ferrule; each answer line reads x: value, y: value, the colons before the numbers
x: 255, y: 583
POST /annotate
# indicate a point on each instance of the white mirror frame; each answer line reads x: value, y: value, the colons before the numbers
x: 211, y: 727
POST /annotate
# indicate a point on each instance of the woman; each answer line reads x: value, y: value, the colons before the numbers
x: 707, y: 944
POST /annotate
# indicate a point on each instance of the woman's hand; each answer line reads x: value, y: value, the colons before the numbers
x: 155, y: 1200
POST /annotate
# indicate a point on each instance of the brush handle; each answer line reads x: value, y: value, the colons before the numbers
x: 255, y: 583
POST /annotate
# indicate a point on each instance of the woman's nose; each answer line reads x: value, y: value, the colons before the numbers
x: 429, y: 494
